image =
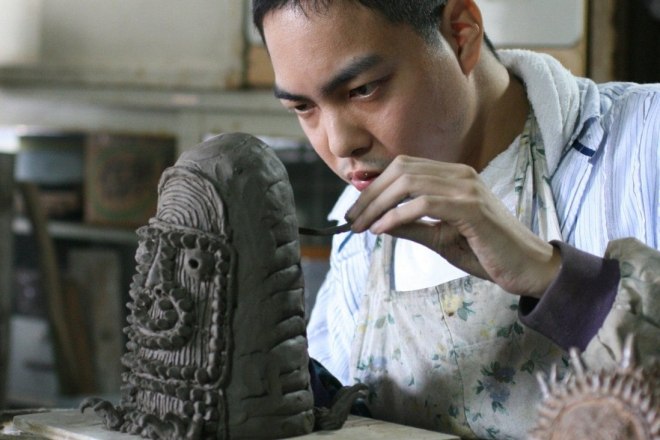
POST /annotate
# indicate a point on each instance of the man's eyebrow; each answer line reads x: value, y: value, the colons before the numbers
x: 283, y: 94
x: 350, y: 71
x: 346, y: 74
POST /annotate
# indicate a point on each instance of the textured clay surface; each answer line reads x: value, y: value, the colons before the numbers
x: 216, y: 330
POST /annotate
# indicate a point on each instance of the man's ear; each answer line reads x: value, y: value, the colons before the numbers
x: 462, y: 27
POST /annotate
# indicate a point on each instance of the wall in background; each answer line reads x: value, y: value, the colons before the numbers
x: 196, y: 44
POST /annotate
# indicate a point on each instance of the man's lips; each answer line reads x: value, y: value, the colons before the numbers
x: 362, y: 179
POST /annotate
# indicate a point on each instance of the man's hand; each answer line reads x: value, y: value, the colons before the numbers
x: 475, y: 231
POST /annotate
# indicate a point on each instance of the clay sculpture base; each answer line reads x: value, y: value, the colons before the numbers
x: 72, y: 425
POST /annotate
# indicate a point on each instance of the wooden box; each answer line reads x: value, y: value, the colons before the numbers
x: 121, y: 177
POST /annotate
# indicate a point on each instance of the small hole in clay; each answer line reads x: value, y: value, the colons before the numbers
x: 194, y: 264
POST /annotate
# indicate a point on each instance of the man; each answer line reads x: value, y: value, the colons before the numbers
x: 485, y: 190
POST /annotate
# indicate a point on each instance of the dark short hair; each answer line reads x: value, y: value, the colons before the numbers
x: 421, y: 15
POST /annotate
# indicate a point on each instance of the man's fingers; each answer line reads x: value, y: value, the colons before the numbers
x: 408, y: 198
x: 410, y: 169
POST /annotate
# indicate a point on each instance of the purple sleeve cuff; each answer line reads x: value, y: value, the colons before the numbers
x: 575, y: 305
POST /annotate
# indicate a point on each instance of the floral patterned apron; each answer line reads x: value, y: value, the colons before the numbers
x: 454, y: 357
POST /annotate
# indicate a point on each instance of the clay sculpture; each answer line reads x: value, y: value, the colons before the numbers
x: 216, y: 333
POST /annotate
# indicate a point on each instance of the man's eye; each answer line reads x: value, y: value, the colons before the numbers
x: 301, y: 108
x: 365, y: 90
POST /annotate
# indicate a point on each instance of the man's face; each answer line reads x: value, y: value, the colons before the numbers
x: 366, y: 90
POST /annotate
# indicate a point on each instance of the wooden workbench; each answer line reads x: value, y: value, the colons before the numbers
x: 72, y: 425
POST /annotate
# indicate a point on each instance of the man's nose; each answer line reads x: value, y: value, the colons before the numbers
x: 154, y: 277
x: 345, y: 136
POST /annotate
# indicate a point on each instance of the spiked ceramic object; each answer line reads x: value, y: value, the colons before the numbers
x: 606, y: 405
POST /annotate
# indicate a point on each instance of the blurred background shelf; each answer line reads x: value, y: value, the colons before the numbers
x: 79, y: 232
